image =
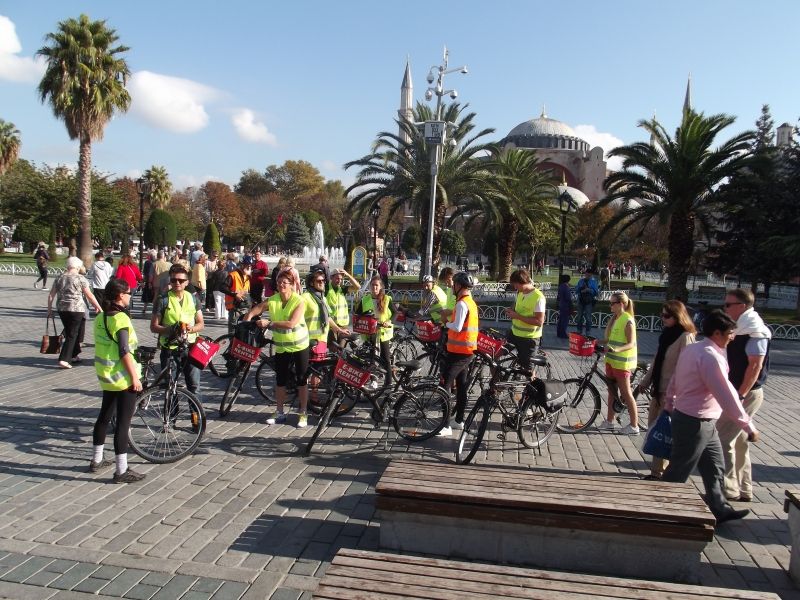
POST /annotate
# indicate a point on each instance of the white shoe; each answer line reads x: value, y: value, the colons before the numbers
x: 446, y: 432
x: 606, y: 426
x: 629, y: 430
x: 45, y: 289
x: 453, y: 424
x: 276, y: 418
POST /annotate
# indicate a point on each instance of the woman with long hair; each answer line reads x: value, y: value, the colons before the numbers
x: 378, y: 303
x: 677, y: 332
x: 621, y: 357
x: 127, y: 270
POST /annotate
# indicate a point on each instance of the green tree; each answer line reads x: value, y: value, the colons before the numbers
x: 765, y: 130
x: 160, y: 186
x: 84, y: 82
x: 297, y: 235
x: 253, y: 184
x: 294, y: 179
x: 412, y: 239
x: 31, y: 233
x: 672, y: 180
x: 453, y: 243
x: 9, y: 145
x: 211, y: 242
x: 160, y: 229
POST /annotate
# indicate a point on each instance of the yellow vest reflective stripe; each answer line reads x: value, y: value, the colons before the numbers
x: 287, y: 340
x: 367, y: 305
x: 111, y: 373
x: 625, y: 360
x: 178, y: 311
x: 337, y: 302
x: 525, y: 305
x: 317, y: 330
x: 466, y: 340
x: 439, y: 303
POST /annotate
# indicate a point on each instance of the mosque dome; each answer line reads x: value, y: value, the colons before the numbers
x: 544, y: 132
x: 578, y: 197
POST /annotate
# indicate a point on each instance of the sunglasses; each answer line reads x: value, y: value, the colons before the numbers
x: 319, y: 281
x: 614, y: 302
x: 667, y: 316
x: 176, y: 280
x: 729, y: 304
x: 284, y: 282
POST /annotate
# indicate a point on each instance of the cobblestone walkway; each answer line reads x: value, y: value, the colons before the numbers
x: 247, y: 516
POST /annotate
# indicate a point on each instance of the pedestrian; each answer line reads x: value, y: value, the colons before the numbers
x: 120, y: 379
x: 259, y: 280
x: 69, y: 292
x: 127, y: 270
x: 148, y: 269
x: 379, y: 304
x: 322, y: 265
x: 216, y: 285
x: 237, y: 294
x: 434, y: 300
x: 587, y: 292
x: 527, y: 317
x: 274, y: 276
x: 383, y: 271
x: 564, y: 302
x: 42, y: 258
x: 748, y: 358
x: 160, y: 279
x: 677, y: 332
x: 198, y: 279
x: 99, y: 275
x: 195, y: 254
x: 698, y: 394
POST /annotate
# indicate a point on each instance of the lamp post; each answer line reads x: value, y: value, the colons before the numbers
x: 435, y: 134
x: 565, y: 204
x: 143, y: 187
x: 164, y: 238
x: 375, y: 212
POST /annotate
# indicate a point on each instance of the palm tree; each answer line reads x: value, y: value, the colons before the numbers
x: 399, y: 172
x: 160, y: 187
x: 84, y: 83
x: 9, y: 145
x: 521, y: 194
x: 673, y: 180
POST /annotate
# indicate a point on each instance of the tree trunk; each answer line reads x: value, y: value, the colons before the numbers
x: 85, y: 201
x: 507, y: 244
x: 681, y: 244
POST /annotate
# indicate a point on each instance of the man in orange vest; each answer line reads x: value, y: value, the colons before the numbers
x: 462, y: 341
x: 237, y: 293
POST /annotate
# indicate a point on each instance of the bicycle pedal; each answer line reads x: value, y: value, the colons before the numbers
x: 501, y: 437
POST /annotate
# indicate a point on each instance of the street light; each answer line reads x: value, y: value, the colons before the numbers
x: 565, y: 204
x: 375, y: 212
x: 143, y: 186
x: 435, y: 134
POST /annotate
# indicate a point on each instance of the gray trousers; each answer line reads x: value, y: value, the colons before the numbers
x: 695, y: 443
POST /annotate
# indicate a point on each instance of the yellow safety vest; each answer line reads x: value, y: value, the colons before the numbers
x: 178, y: 311
x: 466, y: 340
x: 317, y: 330
x: 367, y: 305
x: 287, y: 340
x: 450, y: 296
x: 337, y: 302
x: 525, y: 305
x: 439, y: 303
x: 625, y: 360
x: 111, y: 373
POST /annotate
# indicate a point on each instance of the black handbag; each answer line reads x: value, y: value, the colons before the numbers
x: 51, y: 344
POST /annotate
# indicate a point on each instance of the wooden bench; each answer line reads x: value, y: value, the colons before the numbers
x: 362, y: 575
x: 550, y: 519
x: 792, y: 506
x: 659, y: 289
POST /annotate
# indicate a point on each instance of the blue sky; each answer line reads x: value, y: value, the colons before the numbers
x: 222, y: 87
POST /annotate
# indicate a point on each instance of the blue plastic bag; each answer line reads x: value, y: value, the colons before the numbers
x: 659, y: 438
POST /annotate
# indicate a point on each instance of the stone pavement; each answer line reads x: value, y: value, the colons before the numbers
x: 247, y: 516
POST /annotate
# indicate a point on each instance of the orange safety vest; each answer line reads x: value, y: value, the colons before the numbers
x: 466, y: 340
x: 238, y: 282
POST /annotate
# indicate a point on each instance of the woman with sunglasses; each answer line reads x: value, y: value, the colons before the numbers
x: 677, y: 332
x: 620, y: 343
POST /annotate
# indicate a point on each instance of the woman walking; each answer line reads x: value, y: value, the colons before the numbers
x: 69, y: 292
x: 119, y: 376
x: 42, y: 257
x: 677, y: 332
x: 620, y: 343
x: 127, y: 270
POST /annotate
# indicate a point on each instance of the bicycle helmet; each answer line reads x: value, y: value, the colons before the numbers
x: 464, y: 279
x: 428, y: 279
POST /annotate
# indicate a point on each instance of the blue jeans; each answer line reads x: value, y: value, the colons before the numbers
x: 191, y: 374
x: 584, y: 316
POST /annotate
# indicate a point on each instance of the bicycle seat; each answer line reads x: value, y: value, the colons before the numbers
x: 539, y: 361
x: 409, y: 365
x: 643, y: 365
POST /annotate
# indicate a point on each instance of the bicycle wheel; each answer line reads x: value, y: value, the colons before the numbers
x: 325, y: 418
x: 474, y: 429
x: 234, y: 387
x: 583, y: 407
x: 166, y: 426
x: 535, y: 425
x: 642, y: 399
x: 265, y: 379
x: 404, y: 350
x: 421, y: 412
x: 221, y: 363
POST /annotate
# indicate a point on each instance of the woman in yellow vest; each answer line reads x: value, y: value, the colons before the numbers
x: 336, y: 296
x: 620, y: 343
x: 290, y: 336
x: 379, y: 304
x: 446, y: 285
x: 527, y: 317
x: 119, y: 376
x: 462, y: 341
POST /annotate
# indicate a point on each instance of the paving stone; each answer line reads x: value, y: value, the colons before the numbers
x: 123, y: 582
x: 25, y: 570
x: 141, y: 592
x: 91, y: 585
x: 205, y: 584
x: 74, y: 576
x: 230, y: 590
x: 176, y: 587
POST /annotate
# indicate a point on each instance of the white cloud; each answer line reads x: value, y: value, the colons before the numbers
x: 170, y: 103
x: 606, y: 141
x: 13, y: 67
x: 184, y: 181
x: 329, y: 166
x: 250, y: 129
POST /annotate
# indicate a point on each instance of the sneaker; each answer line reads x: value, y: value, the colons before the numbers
x: 628, y: 430
x: 76, y: 361
x: 606, y: 426
x: 446, y: 432
x: 64, y: 364
x: 128, y: 477
x: 732, y: 515
x: 276, y: 418
x: 453, y: 424
x: 96, y: 467
x: 302, y: 420
x: 45, y: 289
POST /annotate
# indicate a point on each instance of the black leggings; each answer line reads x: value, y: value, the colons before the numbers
x: 455, y: 371
x: 124, y: 402
x: 42, y: 275
x: 283, y: 360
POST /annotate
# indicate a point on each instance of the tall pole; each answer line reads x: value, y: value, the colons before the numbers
x: 141, y: 230
x: 432, y: 209
x: 375, y: 243
x: 561, y: 255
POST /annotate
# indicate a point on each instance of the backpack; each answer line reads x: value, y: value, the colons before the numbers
x: 585, y: 295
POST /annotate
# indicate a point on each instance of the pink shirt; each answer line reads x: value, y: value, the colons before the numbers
x: 700, y: 387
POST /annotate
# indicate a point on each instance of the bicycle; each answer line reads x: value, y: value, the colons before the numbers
x: 585, y: 401
x: 521, y: 408
x: 168, y: 423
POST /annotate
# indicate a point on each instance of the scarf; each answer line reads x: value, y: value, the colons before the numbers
x: 668, y: 336
x: 750, y: 323
x: 322, y: 304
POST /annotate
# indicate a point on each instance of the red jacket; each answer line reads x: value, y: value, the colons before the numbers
x: 130, y: 273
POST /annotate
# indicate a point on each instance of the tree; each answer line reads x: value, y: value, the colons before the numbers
x: 160, y: 229
x: 223, y: 207
x: 297, y: 235
x: 253, y: 184
x: 160, y: 186
x: 211, y: 242
x: 9, y: 146
x: 30, y: 233
x: 412, y: 239
x: 294, y: 179
x: 673, y: 180
x: 453, y: 243
x: 765, y: 133
x: 84, y: 82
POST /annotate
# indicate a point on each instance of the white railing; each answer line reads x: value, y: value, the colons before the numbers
x: 15, y: 269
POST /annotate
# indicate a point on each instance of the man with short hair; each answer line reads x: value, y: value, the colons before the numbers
x: 527, y: 317
x: 434, y: 300
x: 237, y: 293
x: 258, y: 278
x: 98, y: 275
x: 336, y: 297
x: 195, y: 254
x: 748, y: 359
x: 322, y: 265
x: 160, y: 280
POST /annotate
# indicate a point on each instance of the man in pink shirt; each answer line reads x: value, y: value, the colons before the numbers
x: 698, y: 394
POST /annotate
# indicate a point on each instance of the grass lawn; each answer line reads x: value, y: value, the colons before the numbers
x: 27, y: 259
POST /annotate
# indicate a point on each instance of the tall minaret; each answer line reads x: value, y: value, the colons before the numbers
x: 687, y: 100
x: 406, y: 101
